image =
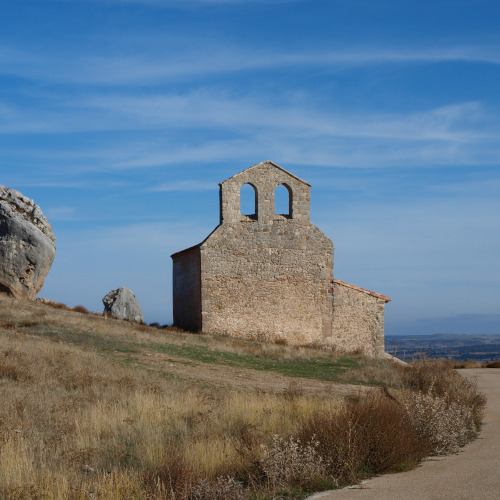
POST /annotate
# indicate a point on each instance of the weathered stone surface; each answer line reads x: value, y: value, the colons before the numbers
x: 358, y: 324
x: 122, y: 304
x: 27, y: 245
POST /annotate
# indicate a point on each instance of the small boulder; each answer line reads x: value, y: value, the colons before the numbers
x: 122, y: 304
x: 27, y: 245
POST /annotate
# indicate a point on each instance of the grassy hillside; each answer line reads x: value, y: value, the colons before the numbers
x: 97, y: 408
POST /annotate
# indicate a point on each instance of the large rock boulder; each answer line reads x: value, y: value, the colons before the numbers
x: 27, y: 245
x: 122, y: 304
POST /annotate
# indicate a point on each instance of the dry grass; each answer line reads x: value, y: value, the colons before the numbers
x: 469, y: 363
x: 55, y: 313
x: 84, y: 415
x: 70, y: 420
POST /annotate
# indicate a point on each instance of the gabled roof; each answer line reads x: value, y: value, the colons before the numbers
x: 364, y: 290
x: 186, y: 250
x: 271, y: 164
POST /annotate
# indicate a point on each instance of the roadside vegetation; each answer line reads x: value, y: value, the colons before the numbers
x: 97, y: 408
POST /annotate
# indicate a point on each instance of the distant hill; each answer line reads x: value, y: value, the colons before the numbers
x: 482, y: 348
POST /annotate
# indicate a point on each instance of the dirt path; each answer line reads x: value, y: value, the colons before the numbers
x: 474, y: 473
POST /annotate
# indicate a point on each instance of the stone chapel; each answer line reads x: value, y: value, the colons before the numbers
x: 269, y: 276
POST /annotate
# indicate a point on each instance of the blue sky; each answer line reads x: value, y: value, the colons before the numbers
x: 120, y: 118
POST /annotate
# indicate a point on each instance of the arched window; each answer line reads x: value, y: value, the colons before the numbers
x: 248, y: 200
x: 283, y: 200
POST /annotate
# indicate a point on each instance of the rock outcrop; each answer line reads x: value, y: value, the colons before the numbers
x: 27, y: 245
x: 122, y: 304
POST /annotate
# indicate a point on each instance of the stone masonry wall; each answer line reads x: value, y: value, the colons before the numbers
x: 268, y: 276
x: 358, y: 320
x: 264, y: 178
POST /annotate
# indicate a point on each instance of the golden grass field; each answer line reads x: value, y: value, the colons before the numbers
x: 92, y: 407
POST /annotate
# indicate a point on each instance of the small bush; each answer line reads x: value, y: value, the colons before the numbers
x: 440, y: 380
x: 446, y: 425
x: 10, y: 371
x: 289, y: 462
x: 81, y: 309
x: 7, y: 325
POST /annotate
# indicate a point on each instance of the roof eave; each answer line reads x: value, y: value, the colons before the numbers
x: 364, y: 290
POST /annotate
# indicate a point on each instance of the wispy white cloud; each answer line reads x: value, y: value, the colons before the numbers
x: 206, y: 108
x: 217, y: 108
x: 224, y: 126
x: 311, y: 152
x: 162, y: 65
x: 452, y: 134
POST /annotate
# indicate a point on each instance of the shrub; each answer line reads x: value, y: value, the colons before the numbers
x: 289, y: 462
x: 446, y: 425
x: 368, y: 435
x: 446, y: 418
x: 440, y: 380
x: 81, y: 309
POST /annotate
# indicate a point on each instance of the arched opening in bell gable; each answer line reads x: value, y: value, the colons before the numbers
x: 249, y: 201
x: 283, y: 198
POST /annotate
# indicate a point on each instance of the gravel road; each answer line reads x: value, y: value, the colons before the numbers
x: 474, y: 473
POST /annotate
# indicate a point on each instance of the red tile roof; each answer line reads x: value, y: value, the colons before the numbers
x: 359, y: 289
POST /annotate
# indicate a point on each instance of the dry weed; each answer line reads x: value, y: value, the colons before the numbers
x: 289, y: 462
x: 446, y: 424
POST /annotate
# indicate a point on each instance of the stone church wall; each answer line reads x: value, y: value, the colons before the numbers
x: 358, y: 324
x: 268, y: 283
x: 267, y: 275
